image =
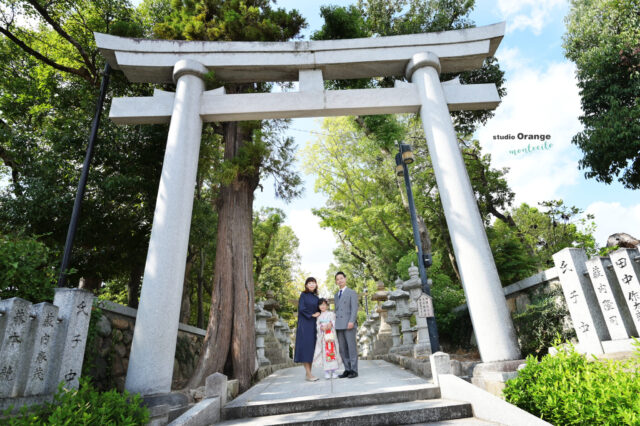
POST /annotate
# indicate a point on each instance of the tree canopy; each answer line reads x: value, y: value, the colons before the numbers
x: 603, y: 40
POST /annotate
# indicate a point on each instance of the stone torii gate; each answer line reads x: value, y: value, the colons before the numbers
x: 419, y: 57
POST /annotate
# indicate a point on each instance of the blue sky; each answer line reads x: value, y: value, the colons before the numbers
x: 542, y: 98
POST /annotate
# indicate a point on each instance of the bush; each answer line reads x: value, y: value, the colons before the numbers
x: 568, y: 389
x: 86, y: 406
x: 27, y: 269
x: 541, y: 323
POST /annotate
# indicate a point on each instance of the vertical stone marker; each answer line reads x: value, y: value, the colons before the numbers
x: 13, y: 345
x: 628, y: 272
x: 74, y: 309
x: 43, y: 332
x: 610, y: 298
x: 581, y: 300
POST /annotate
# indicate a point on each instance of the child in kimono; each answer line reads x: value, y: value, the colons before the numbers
x: 326, y: 354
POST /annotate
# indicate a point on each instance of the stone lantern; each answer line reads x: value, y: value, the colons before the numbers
x: 413, y: 285
x: 403, y: 313
x: 394, y: 324
x: 261, y: 331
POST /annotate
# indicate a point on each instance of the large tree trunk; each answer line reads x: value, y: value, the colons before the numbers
x: 231, y: 328
x: 133, y: 286
x: 200, y: 317
x: 185, y: 305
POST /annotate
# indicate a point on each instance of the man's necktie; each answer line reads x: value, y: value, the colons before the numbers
x: 339, y: 294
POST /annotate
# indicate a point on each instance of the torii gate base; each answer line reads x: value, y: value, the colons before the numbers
x: 421, y: 57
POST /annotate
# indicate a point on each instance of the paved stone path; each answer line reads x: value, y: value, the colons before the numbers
x: 374, y: 377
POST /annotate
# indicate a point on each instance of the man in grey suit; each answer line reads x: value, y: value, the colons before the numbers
x: 346, y: 301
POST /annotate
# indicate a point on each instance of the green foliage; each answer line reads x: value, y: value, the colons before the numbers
x: 46, y: 106
x: 373, y: 18
x: 85, y: 406
x: 556, y: 227
x: 603, y: 39
x: 341, y: 23
x: 513, y: 261
x: 218, y: 20
x: 276, y: 260
x: 27, y: 268
x: 542, y: 323
x: 528, y: 245
x: 447, y: 295
x: 569, y: 389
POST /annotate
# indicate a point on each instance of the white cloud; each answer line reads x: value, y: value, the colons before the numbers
x: 614, y: 217
x: 534, y: 14
x: 316, y: 244
x: 538, y: 102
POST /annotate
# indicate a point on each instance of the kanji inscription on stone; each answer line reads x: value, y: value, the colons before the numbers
x: 46, y: 324
x: 41, y: 357
x: 6, y: 373
x: 580, y: 295
x: 76, y: 339
x: 609, y: 297
x: 20, y: 317
x: 628, y: 273
x: 425, y: 306
x: 82, y: 308
x: 48, y: 321
x: 70, y: 376
x: 38, y: 374
x: 15, y: 338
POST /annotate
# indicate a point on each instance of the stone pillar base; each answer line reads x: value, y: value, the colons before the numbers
x: 492, y: 376
x: 406, y: 350
x: 422, y: 351
x: 165, y: 407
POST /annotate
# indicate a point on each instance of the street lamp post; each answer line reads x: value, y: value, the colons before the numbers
x: 404, y: 157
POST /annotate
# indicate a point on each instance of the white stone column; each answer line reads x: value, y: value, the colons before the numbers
x: 487, y: 305
x: 154, y: 340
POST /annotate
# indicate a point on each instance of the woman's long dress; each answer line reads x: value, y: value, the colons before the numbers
x: 306, y: 332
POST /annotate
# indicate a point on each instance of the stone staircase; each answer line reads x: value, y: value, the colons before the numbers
x: 382, y: 395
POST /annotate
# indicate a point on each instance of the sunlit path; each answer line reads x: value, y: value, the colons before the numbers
x: 382, y: 394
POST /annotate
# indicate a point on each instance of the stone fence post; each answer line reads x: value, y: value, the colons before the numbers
x: 42, y: 345
x: 603, y: 297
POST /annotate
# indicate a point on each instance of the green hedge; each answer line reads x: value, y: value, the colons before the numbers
x: 84, y: 406
x: 569, y: 389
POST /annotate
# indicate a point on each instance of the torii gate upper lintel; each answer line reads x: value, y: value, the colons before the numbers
x: 419, y: 57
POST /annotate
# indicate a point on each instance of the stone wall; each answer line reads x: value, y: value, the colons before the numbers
x: 519, y: 294
x: 109, y: 356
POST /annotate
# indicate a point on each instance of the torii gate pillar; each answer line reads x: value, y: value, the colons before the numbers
x: 492, y: 324
x: 154, y: 345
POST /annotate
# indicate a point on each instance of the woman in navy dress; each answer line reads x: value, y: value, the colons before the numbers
x: 306, y: 333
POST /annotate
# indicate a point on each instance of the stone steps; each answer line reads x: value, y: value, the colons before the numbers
x: 383, y: 394
x: 240, y: 408
x: 411, y: 412
x: 470, y: 421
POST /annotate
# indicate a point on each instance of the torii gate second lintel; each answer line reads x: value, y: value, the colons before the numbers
x: 420, y: 57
